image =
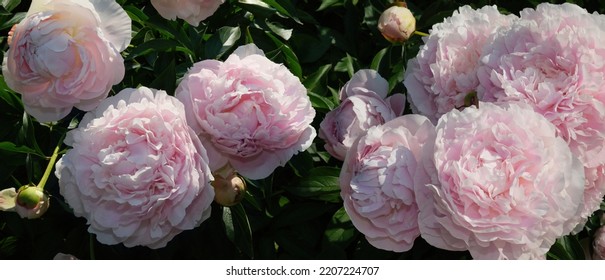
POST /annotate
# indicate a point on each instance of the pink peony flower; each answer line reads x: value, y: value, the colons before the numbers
x: 397, y: 24
x: 378, y: 178
x: 136, y: 172
x: 65, y: 54
x: 364, y: 106
x: 445, y: 69
x: 249, y: 112
x: 553, y: 59
x: 504, y: 185
x: 192, y: 11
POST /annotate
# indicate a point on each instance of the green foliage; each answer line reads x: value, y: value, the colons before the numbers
x: 297, y: 212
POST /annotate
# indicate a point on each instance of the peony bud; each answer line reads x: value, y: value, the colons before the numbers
x: 229, y: 191
x: 31, y: 202
x: 397, y: 24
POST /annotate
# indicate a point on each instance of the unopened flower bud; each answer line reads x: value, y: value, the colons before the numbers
x: 31, y: 202
x: 397, y: 24
x: 229, y: 191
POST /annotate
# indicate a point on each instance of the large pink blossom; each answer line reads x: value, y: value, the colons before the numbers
x: 504, y: 185
x: 136, y: 172
x: 445, y: 69
x: 553, y: 59
x: 65, y: 54
x: 364, y: 105
x: 192, y: 11
x: 249, y: 112
x: 378, y: 179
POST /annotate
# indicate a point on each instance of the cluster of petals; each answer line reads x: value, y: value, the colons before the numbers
x: 136, y: 172
x: 65, y: 54
x: 553, y: 60
x: 364, y: 104
x: 192, y: 11
x: 504, y: 185
x: 251, y: 113
x: 445, y: 69
x: 378, y: 179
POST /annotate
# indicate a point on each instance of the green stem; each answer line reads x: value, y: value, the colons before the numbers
x: 51, y: 164
x: 91, y: 246
x: 420, y: 33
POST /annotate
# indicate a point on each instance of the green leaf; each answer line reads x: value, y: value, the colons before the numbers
x: 322, y: 184
x: 289, y: 55
x: 4, y: 12
x: 223, y: 40
x: 340, y: 231
x: 377, y: 60
x: 18, y: 17
x: 314, y: 80
x: 257, y: 8
x: 320, y: 102
x: 9, y: 5
x: 301, y: 164
x: 285, y: 8
x: 136, y: 14
x: 27, y: 134
x: 238, y: 228
x: 11, y: 147
x: 8, y: 246
x: 279, y: 30
x: 330, y: 3
x: 296, y: 213
x: 346, y: 64
x: 9, y: 97
x: 567, y: 248
x: 157, y: 45
x: 166, y: 80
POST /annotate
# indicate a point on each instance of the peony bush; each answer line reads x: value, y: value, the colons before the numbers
x: 135, y: 129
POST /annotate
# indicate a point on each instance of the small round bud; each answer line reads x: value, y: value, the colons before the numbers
x: 31, y: 202
x: 29, y: 197
x: 397, y: 24
x: 229, y: 191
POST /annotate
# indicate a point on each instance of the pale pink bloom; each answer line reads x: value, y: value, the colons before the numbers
x: 249, y: 112
x: 397, y: 24
x: 553, y: 59
x: 65, y: 54
x: 192, y: 11
x: 364, y: 105
x: 504, y: 185
x: 445, y: 69
x: 378, y: 179
x: 136, y: 171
